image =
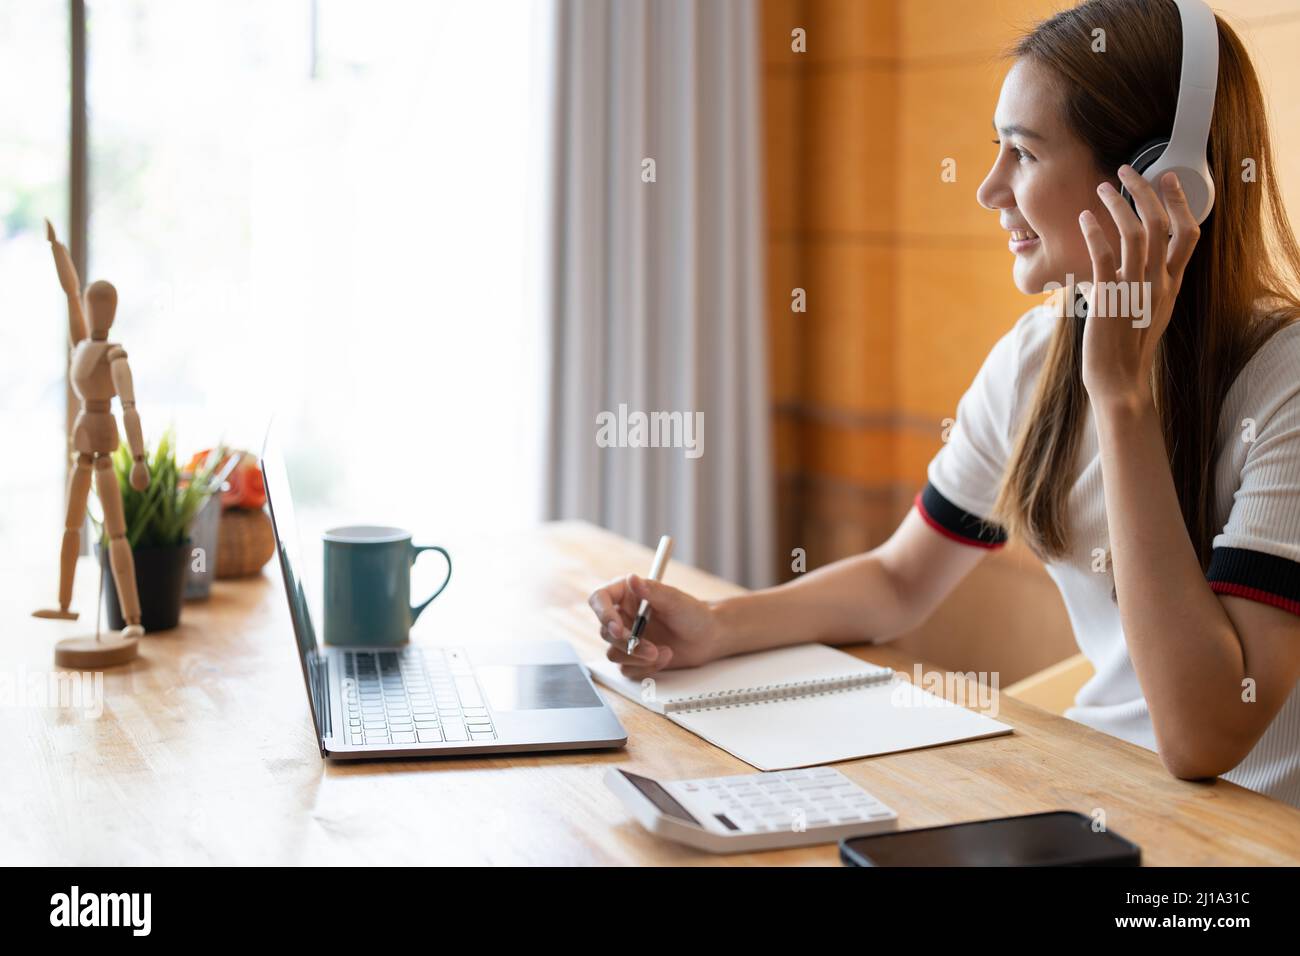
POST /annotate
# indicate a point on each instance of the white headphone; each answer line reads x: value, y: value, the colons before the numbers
x: 1185, y: 152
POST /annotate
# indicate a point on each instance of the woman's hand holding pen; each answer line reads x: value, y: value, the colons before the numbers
x: 682, y: 632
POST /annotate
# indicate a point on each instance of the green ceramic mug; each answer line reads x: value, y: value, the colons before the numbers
x: 367, y: 593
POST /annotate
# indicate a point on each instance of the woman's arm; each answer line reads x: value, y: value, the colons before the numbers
x: 1192, y: 650
x: 868, y: 598
x: 871, y: 597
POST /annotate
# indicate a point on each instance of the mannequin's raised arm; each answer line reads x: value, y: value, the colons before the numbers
x: 71, y: 285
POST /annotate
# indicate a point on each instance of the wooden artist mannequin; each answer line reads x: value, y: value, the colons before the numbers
x: 98, y: 371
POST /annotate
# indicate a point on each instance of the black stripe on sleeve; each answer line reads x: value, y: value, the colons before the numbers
x: 948, y: 519
x: 1256, y: 575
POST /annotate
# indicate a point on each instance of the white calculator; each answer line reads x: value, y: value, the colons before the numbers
x: 759, y: 811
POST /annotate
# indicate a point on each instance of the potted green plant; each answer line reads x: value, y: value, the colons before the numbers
x: 157, y: 529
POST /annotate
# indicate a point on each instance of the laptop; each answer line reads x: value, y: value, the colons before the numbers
x: 433, y: 700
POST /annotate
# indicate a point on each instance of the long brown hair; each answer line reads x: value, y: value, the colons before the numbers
x: 1238, y: 289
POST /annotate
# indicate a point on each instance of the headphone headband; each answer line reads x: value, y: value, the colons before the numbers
x: 1187, y: 152
x: 1200, y: 78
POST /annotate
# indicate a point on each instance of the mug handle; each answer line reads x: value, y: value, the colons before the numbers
x: 416, y: 550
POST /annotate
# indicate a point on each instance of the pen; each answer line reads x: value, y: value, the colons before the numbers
x: 656, y: 574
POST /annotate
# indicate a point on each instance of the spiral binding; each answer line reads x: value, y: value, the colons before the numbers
x: 769, y: 693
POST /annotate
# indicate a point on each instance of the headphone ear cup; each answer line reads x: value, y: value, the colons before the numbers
x: 1142, y: 160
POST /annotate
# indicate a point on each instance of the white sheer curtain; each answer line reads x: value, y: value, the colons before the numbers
x: 656, y: 302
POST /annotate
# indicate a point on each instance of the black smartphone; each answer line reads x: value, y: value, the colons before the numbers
x: 1055, y: 838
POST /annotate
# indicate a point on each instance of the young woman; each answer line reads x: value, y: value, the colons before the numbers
x: 1156, y: 470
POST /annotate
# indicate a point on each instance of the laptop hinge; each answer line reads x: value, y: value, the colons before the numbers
x: 324, y: 707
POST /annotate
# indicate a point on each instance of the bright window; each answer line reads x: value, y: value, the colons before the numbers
x: 34, y: 327
x: 331, y: 209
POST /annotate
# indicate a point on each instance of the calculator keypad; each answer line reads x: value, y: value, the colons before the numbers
x: 804, y: 799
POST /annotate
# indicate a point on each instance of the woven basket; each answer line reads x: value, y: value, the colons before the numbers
x: 245, y: 542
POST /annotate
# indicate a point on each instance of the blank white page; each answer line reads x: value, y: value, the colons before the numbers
x: 808, y: 731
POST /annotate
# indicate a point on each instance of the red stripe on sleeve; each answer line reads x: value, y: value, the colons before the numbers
x: 947, y: 533
x: 1255, y: 594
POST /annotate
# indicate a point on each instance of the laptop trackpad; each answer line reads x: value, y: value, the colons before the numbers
x: 535, y: 686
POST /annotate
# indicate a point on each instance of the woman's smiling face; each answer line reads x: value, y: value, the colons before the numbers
x: 1043, y: 178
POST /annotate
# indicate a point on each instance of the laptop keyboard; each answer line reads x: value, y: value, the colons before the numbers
x: 413, y: 696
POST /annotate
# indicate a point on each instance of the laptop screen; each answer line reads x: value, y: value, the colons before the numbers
x: 289, y: 547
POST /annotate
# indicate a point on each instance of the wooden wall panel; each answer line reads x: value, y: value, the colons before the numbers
x: 947, y: 115
x: 848, y: 164
x: 848, y: 331
x: 784, y: 328
x: 973, y: 30
x: 955, y: 302
x: 830, y: 125
x: 852, y: 31
x: 781, y: 154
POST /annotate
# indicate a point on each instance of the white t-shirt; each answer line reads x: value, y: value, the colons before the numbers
x: 1257, y: 554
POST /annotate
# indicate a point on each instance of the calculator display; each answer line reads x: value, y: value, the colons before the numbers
x: 660, y: 797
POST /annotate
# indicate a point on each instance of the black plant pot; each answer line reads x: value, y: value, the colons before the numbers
x: 160, y: 582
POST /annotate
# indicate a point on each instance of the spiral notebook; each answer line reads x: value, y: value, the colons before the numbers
x: 800, y: 707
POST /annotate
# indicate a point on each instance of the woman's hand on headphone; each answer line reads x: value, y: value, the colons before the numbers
x: 1141, y: 284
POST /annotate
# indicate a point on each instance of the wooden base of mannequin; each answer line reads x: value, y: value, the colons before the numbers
x: 90, y: 653
x: 55, y: 615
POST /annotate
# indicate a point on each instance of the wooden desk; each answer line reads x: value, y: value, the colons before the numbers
x: 204, y: 752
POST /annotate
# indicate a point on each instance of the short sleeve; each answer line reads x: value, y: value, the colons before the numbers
x: 963, y: 478
x: 1257, y: 555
